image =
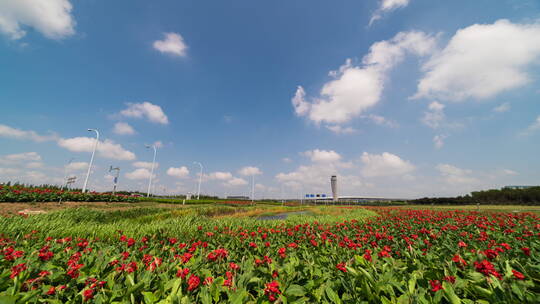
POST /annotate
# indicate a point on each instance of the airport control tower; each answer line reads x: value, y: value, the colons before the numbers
x: 333, y: 183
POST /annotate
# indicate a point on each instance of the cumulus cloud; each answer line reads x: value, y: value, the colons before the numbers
x: 219, y: 176
x: 147, y: 110
x: 434, y: 116
x: 236, y: 181
x: 139, y: 174
x: 386, y: 6
x: 123, y: 128
x: 107, y: 148
x: 145, y: 165
x: 455, y: 175
x: 382, y: 121
x: 76, y: 166
x: 322, y: 156
x: 181, y: 172
x: 385, y: 164
x: 27, y: 156
x: 438, y: 141
x: 481, y: 61
x: 172, y: 44
x: 355, y: 89
x: 10, y: 132
x: 248, y: 171
x: 52, y: 18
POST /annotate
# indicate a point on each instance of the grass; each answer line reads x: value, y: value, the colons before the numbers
x: 174, y: 222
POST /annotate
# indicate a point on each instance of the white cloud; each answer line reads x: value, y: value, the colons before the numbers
x: 52, y: 18
x: 382, y: 121
x: 34, y: 165
x: 77, y: 166
x: 150, y: 111
x: 341, y: 130
x: 123, y: 128
x: 434, y: 117
x: 107, y: 148
x: 505, y: 107
x: 139, y: 174
x: 358, y: 88
x: 386, y: 164
x: 322, y: 156
x: 455, y: 175
x: 248, y: 171
x: 533, y: 127
x: 145, y: 165
x: 181, y: 172
x: 236, y: 181
x: 173, y: 44
x: 27, y: 156
x: 9, y: 132
x: 286, y: 160
x: 219, y: 176
x: 438, y: 141
x: 481, y: 61
x: 387, y: 6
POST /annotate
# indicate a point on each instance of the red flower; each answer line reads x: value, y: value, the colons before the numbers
x: 435, y: 285
x: 193, y: 282
x: 17, y: 269
x: 233, y: 266
x: 182, y: 273
x: 487, y: 269
x: 281, y: 252
x: 271, y: 290
x: 208, y: 281
x: 341, y: 266
x: 252, y: 245
x: 314, y: 243
x: 459, y: 260
x: 518, y: 275
x: 51, y: 291
x: 186, y: 257
x: 462, y: 244
x: 88, y: 294
x: 526, y: 251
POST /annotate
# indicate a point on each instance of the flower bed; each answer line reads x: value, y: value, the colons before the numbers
x: 401, y: 256
x: 39, y: 194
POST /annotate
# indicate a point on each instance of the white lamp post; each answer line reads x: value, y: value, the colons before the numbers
x: 91, y: 159
x: 200, y: 179
x: 152, y: 170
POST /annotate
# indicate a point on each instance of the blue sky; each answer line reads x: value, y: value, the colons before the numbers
x: 400, y: 98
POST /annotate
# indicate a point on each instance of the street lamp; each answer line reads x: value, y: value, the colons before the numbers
x: 151, y: 171
x: 91, y: 159
x: 200, y: 180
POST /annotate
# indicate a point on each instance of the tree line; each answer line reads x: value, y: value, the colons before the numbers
x: 505, y: 196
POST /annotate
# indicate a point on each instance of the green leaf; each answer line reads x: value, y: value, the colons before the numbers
x: 450, y: 294
x: 295, y: 290
x: 332, y: 295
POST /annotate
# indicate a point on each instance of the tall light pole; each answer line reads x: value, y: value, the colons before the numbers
x: 200, y: 179
x: 152, y: 170
x: 91, y: 159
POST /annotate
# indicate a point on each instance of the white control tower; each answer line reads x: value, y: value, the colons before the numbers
x: 333, y: 183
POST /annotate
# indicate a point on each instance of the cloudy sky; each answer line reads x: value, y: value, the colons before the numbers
x: 399, y: 98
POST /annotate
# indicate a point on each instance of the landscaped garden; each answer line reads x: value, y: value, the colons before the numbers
x: 205, y: 254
